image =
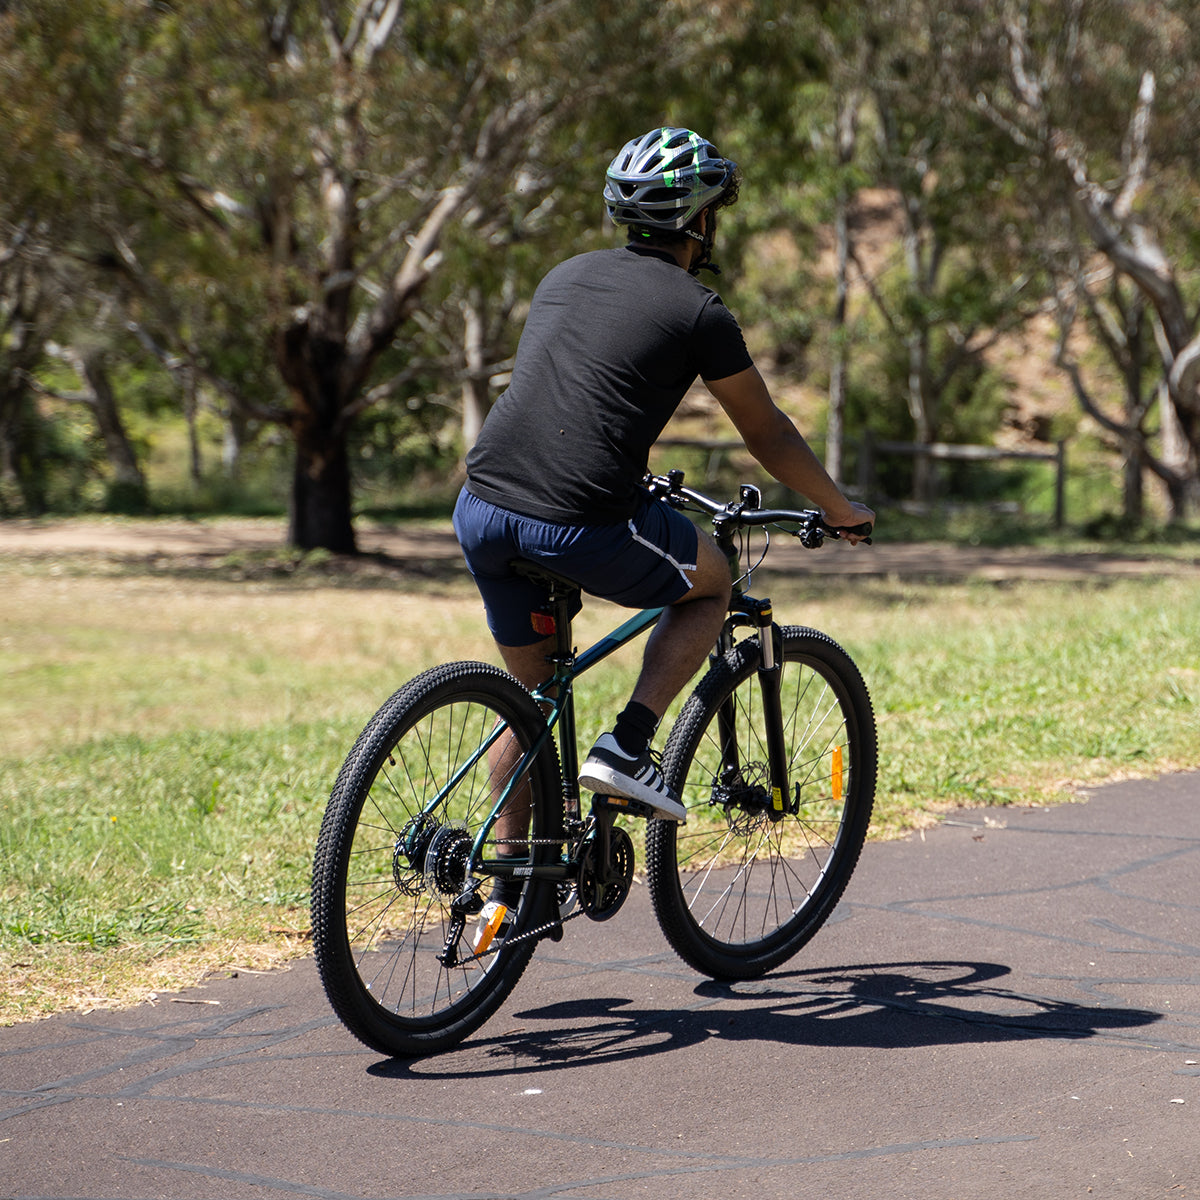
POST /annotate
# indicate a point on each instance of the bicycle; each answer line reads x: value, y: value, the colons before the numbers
x: 774, y: 755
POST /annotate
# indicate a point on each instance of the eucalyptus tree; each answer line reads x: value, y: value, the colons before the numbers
x: 957, y: 282
x: 1102, y: 97
x: 293, y: 172
x: 29, y: 298
x: 852, y: 110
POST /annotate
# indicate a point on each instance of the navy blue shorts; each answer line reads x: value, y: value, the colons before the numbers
x: 644, y: 563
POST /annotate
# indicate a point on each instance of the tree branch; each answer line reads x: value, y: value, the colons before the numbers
x: 370, y: 28
x: 1136, y: 150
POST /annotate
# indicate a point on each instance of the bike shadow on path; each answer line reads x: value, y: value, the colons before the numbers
x: 883, y: 1006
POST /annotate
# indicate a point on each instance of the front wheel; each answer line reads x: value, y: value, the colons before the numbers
x: 740, y: 888
x: 395, y: 850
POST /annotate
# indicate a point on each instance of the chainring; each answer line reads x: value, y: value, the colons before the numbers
x: 602, y: 893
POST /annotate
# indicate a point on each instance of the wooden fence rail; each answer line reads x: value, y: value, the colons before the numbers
x: 870, y: 449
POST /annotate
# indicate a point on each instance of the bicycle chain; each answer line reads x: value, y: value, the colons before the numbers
x: 538, y: 931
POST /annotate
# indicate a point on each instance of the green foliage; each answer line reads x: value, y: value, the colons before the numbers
x: 187, y: 163
x: 1016, y: 697
x: 146, y: 840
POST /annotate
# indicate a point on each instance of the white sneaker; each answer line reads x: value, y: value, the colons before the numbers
x: 609, y: 771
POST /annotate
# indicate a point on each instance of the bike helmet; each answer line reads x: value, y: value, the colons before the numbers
x: 664, y: 178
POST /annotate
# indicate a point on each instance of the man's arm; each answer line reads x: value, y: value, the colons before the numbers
x: 778, y: 445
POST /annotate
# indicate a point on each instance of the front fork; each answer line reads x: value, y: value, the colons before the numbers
x: 758, y: 615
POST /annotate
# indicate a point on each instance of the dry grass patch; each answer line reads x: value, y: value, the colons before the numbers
x: 167, y: 745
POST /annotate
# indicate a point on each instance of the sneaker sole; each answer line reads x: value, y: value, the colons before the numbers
x: 605, y: 782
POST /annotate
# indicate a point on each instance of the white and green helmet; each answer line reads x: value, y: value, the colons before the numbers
x: 664, y: 178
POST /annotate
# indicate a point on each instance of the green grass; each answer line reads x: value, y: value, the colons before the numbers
x: 167, y: 744
x: 1014, y: 694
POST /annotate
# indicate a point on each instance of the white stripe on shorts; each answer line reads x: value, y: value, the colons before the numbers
x: 682, y: 568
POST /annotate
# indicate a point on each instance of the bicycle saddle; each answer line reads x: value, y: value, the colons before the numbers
x: 543, y: 575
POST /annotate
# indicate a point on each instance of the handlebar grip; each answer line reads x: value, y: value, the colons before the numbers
x: 863, y: 531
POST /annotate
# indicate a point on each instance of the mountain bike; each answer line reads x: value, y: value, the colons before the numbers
x: 773, y: 754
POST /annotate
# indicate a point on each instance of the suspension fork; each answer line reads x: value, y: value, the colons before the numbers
x: 758, y: 615
x: 770, y: 679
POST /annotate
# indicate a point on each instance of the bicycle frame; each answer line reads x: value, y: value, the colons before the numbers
x: 557, y: 698
x: 557, y: 694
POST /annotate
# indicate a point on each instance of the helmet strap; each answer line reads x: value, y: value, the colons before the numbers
x: 706, y: 241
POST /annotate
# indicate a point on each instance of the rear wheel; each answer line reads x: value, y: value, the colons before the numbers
x: 739, y: 889
x: 394, y: 852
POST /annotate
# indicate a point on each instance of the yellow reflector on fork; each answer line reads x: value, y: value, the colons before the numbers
x: 836, y: 772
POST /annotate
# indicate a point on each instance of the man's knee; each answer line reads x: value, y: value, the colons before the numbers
x: 711, y: 579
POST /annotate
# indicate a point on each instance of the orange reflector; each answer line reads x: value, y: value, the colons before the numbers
x: 488, y: 933
x: 836, y: 772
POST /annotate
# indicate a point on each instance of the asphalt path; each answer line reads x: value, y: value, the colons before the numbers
x: 1005, y: 1007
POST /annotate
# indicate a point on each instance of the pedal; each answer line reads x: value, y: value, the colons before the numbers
x: 622, y: 804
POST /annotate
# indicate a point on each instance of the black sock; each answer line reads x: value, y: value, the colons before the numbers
x: 506, y: 889
x: 634, y: 728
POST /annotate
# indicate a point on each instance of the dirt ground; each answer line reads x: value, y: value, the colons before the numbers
x: 168, y: 542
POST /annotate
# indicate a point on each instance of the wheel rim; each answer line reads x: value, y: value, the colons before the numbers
x: 406, y: 861
x: 747, y: 880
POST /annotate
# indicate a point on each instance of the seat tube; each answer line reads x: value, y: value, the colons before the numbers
x: 568, y: 753
x: 564, y: 674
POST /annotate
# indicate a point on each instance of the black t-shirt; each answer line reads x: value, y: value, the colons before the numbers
x: 613, y: 340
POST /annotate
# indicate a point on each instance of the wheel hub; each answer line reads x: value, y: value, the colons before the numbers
x: 746, y: 798
x: 446, y: 861
x: 408, y: 855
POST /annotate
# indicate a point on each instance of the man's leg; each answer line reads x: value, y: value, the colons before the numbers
x: 620, y: 763
x: 530, y: 666
x: 686, y: 632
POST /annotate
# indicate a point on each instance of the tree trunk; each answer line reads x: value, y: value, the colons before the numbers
x: 1132, y: 472
x: 920, y: 407
x: 1178, y: 456
x: 191, y: 408
x: 22, y: 484
x: 475, y: 382
x: 127, y: 492
x: 835, y: 442
x: 313, y: 363
x: 320, y: 515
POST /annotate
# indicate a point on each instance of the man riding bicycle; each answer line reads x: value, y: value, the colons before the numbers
x: 613, y: 341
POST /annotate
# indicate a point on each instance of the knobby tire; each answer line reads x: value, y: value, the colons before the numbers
x: 735, y: 892
x: 380, y: 896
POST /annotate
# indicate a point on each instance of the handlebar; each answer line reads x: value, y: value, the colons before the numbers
x: 810, y: 525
